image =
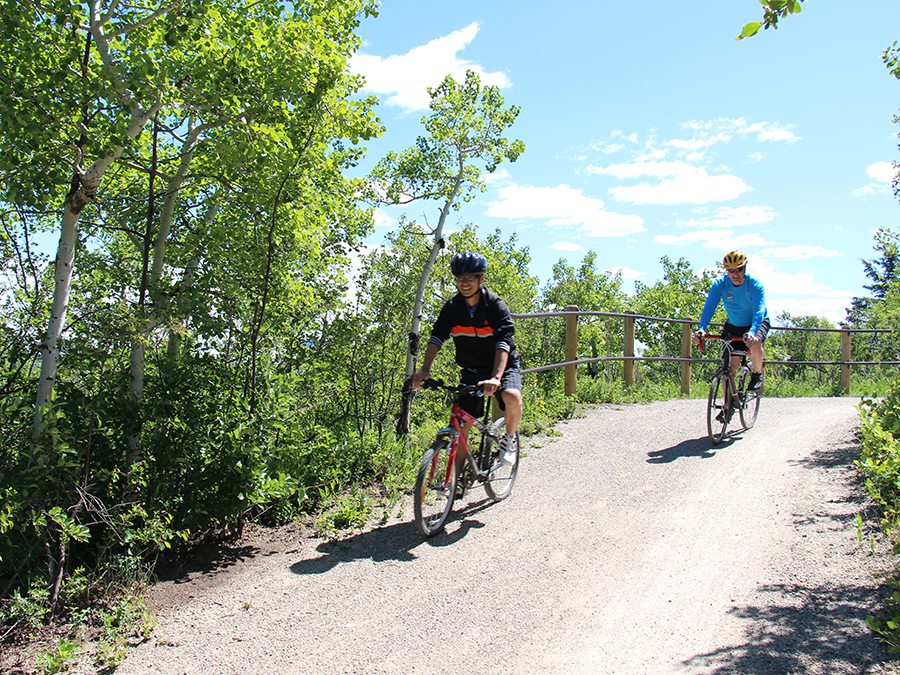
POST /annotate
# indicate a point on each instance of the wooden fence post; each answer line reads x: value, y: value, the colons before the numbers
x: 845, y: 357
x: 571, y: 350
x: 629, y: 348
x: 686, y: 330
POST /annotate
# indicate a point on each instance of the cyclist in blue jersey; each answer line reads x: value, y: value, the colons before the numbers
x: 744, y: 299
x: 482, y: 330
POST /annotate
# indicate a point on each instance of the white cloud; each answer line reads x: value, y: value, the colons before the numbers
x: 405, y: 78
x: 610, y: 224
x: 883, y: 172
x: 719, y: 238
x: 699, y: 143
x: 382, y: 219
x: 500, y: 176
x: 644, y: 167
x: 743, y: 241
x: 562, y: 206
x: 723, y: 129
x: 777, y: 283
x: 798, y: 252
x: 774, y: 135
x: 696, y: 237
x: 627, y: 273
x: 727, y: 216
x: 828, y: 306
x: 683, y: 166
x: 697, y: 187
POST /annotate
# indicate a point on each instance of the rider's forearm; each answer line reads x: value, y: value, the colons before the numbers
x: 501, y: 358
x: 430, y: 352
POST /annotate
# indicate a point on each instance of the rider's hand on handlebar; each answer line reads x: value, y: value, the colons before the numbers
x: 697, y: 338
x: 419, y: 377
x: 490, y: 386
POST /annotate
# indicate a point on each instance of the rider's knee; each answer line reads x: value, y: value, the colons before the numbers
x: 512, y: 397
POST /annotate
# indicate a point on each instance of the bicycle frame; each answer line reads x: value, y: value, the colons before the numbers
x: 727, y: 353
x: 453, y: 432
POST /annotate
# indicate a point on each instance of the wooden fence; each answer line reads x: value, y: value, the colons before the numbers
x: 572, y: 361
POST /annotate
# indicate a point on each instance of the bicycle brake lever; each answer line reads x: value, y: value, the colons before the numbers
x: 432, y: 383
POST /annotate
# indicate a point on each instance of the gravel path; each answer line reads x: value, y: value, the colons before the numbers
x: 630, y: 545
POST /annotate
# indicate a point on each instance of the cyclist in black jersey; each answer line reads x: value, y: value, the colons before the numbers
x: 483, y: 332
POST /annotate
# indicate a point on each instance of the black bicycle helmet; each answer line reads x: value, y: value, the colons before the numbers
x: 468, y: 264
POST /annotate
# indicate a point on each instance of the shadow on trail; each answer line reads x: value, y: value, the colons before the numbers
x: 808, y: 630
x: 697, y: 447
x: 208, y: 560
x: 391, y: 543
x: 840, y: 458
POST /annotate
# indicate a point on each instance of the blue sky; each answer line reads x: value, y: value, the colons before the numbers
x: 650, y: 131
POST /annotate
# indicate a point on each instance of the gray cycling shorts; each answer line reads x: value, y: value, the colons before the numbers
x: 474, y: 405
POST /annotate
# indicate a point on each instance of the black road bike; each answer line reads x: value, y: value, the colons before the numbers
x: 728, y: 391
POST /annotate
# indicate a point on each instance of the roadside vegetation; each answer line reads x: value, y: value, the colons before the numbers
x: 213, y: 345
x: 879, y: 460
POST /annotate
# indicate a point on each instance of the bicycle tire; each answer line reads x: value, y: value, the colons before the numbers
x: 435, y: 489
x: 500, y: 479
x: 717, y: 408
x: 749, y: 400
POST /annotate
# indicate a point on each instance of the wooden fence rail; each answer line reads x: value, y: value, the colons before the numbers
x: 572, y: 361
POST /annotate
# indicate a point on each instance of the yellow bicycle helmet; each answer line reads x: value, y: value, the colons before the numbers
x: 735, y: 260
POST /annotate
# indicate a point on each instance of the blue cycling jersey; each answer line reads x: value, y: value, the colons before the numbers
x: 744, y: 304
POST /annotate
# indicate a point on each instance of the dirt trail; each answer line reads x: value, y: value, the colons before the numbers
x: 630, y: 545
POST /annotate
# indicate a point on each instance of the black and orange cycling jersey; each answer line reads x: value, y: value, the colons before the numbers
x: 477, y: 331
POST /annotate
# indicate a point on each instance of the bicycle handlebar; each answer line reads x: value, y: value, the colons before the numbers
x: 723, y: 338
x: 467, y: 389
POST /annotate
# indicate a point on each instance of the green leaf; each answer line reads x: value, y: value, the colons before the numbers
x: 750, y: 29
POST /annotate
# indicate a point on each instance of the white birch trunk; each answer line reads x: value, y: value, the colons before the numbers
x: 416, y: 322
x: 151, y: 322
x: 65, y: 265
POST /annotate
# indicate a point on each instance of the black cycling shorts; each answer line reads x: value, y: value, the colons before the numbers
x: 474, y: 405
x: 739, y: 331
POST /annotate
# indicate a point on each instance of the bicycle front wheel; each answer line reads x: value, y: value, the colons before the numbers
x: 500, y: 479
x: 435, y: 489
x: 749, y: 400
x: 717, y: 408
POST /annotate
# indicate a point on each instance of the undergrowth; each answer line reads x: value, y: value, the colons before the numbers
x: 879, y: 463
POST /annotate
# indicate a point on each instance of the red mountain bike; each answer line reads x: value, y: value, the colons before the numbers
x: 437, y: 484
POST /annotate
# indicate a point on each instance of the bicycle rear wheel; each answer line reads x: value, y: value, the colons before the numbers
x: 435, y: 489
x: 500, y: 479
x: 717, y: 408
x: 749, y: 400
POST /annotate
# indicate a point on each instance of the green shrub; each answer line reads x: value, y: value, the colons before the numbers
x: 879, y: 463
